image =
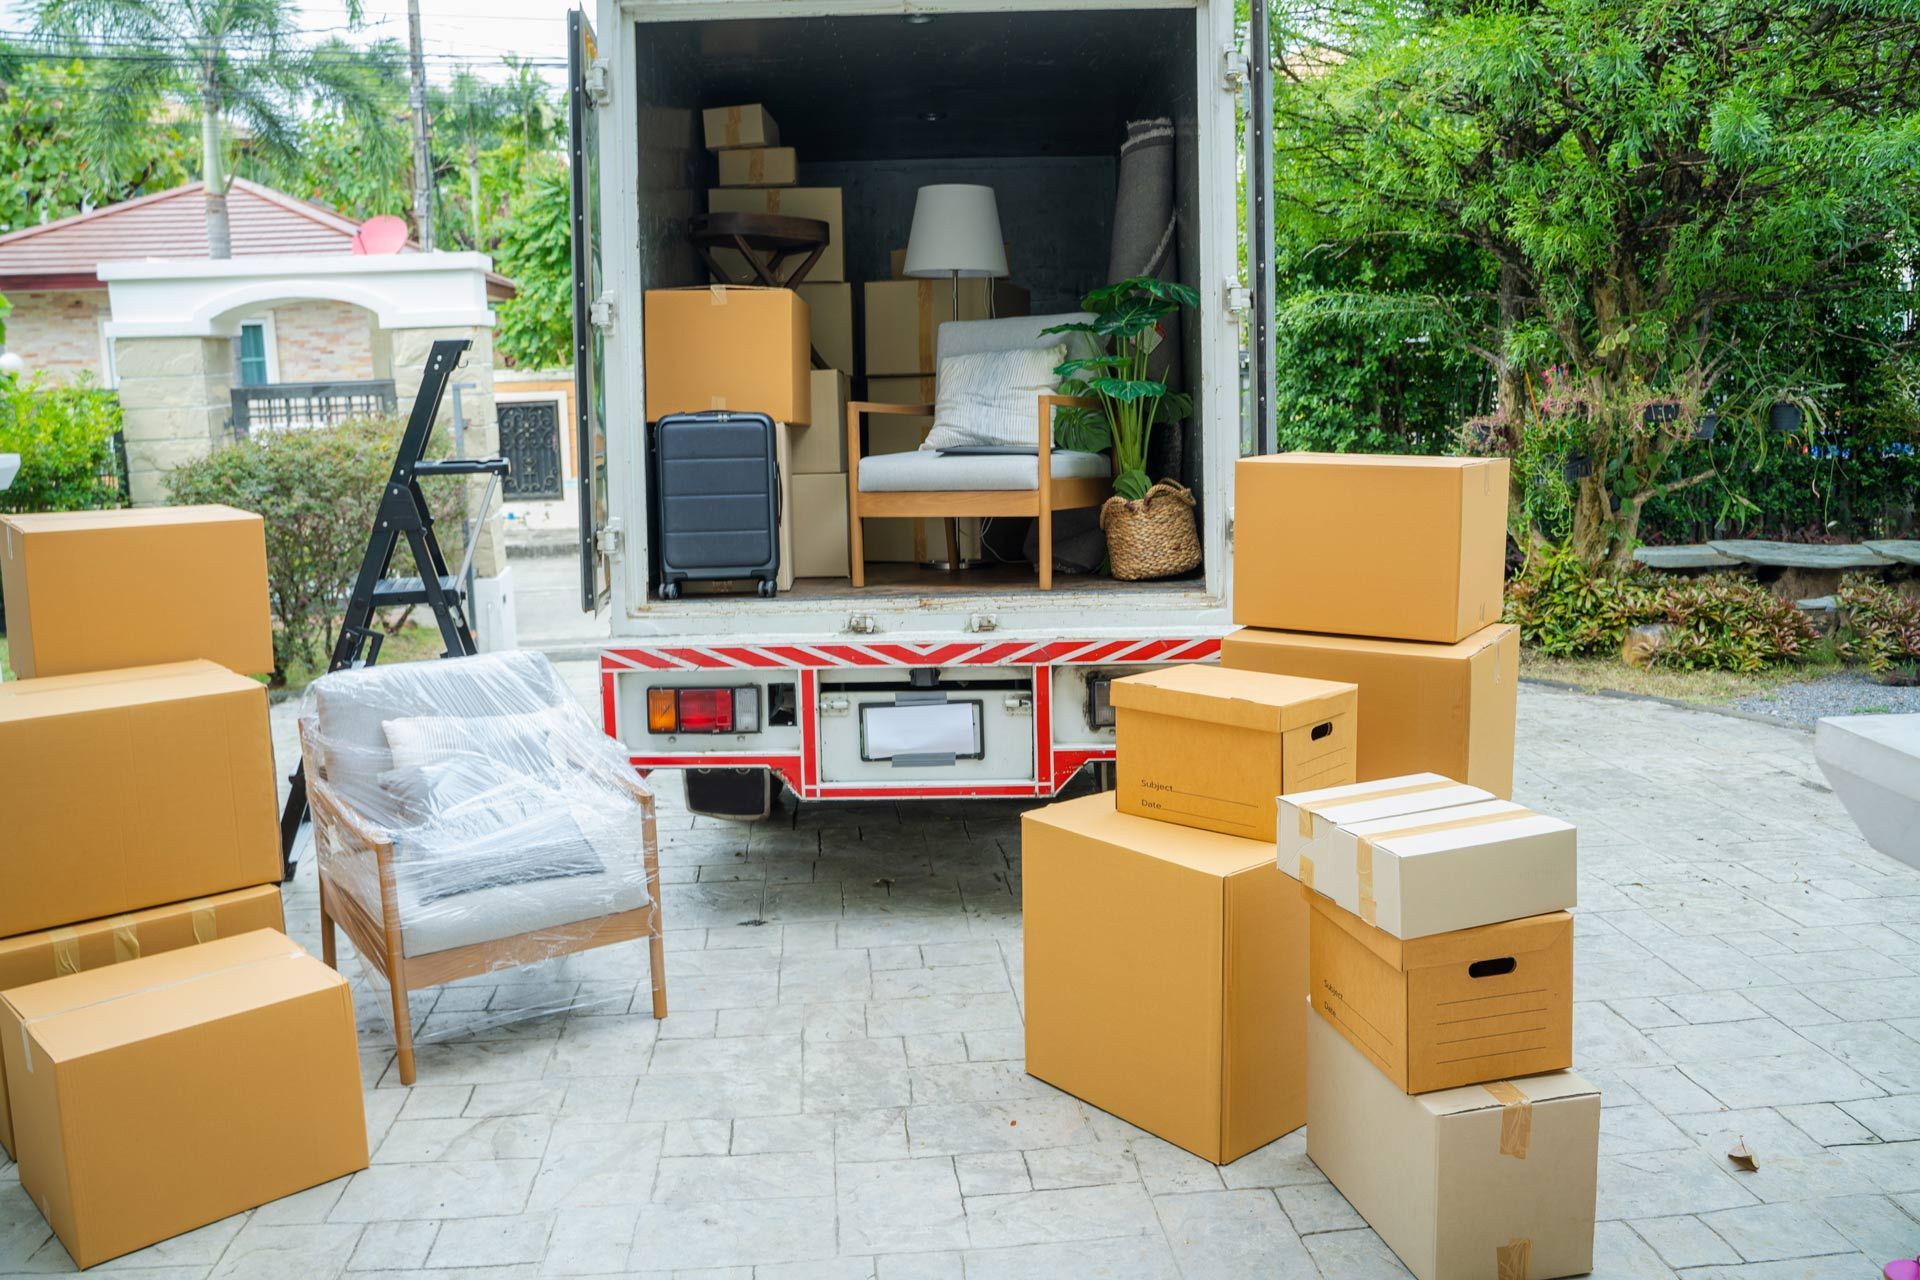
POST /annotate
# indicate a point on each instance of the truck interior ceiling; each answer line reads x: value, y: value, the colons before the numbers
x: 1033, y: 103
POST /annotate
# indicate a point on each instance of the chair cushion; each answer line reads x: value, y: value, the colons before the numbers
x: 502, y: 911
x: 988, y: 397
x: 921, y: 471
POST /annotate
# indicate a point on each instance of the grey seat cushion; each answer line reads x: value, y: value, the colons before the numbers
x: 922, y: 470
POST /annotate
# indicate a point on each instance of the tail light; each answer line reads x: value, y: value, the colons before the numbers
x: 731, y: 710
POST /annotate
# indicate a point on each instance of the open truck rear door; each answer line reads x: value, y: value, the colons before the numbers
x: 586, y: 75
x: 1259, y: 222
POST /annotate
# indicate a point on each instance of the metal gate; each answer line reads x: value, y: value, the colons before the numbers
x: 530, y: 439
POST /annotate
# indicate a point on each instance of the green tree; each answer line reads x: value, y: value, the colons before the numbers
x: 474, y: 112
x: 355, y: 159
x: 233, y: 61
x: 536, y: 252
x: 47, y: 169
x: 1664, y: 204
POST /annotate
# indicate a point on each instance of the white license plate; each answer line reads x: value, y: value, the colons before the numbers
x: 927, y: 729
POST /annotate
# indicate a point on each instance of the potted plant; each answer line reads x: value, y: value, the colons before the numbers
x: 1150, y: 527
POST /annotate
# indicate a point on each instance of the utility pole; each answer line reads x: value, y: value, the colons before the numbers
x: 422, y: 154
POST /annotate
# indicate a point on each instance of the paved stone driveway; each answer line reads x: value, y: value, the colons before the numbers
x: 838, y: 1091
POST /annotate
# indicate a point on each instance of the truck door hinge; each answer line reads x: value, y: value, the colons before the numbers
x: 835, y: 706
x: 1233, y: 68
x: 600, y: 312
x: 1227, y: 533
x: 983, y: 622
x: 607, y: 540
x: 598, y: 84
x: 1236, y: 297
x: 862, y: 624
x: 1019, y: 704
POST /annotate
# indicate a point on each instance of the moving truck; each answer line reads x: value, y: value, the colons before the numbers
x: 922, y: 683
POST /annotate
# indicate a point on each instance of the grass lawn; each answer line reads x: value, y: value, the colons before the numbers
x: 1713, y: 688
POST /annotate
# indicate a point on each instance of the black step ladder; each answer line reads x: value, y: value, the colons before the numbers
x: 403, y: 513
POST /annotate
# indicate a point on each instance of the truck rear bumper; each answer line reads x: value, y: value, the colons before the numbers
x: 1035, y: 719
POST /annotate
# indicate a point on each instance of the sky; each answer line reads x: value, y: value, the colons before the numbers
x: 456, y: 33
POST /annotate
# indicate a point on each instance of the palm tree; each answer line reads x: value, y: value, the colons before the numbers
x: 478, y: 113
x: 235, y: 62
x: 527, y: 102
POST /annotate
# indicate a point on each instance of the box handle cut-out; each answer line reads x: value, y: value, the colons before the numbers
x: 1321, y: 730
x: 1492, y: 968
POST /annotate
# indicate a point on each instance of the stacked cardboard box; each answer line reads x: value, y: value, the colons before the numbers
x: 1166, y: 956
x: 1387, y: 572
x: 138, y: 783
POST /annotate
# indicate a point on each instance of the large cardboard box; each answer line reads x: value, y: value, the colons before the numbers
x: 156, y: 1096
x: 1430, y: 871
x: 821, y: 203
x: 1444, y: 708
x: 747, y: 125
x: 100, y: 590
x: 1453, y: 1008
x: 820, y: 526
x: 1165, y: 976
x: 728, y: 347
x: 120, y: 789
x: 758, y: 167
x: 1402, y: 548
x: 1493, y: 1180
x: 1206, y: 747
x: 830, y: 305
x: 904, y: 319
x: 52, y: 953
x: 820, y: 447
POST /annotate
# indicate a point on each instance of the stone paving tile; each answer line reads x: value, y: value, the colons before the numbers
x: 839, y: 1092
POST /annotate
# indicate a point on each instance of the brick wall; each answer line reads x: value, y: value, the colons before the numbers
x: 58, y: 333
x: 323, y: 341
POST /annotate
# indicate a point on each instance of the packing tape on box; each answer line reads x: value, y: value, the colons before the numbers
x: 1512, y: 1260
x: 1429, y: 828
x: 1306, y: 871
x: 717, y: 403
x: 923, y: 306
x: 1363, y: 872
x: 732, y: 128
x: 757, y: 164
x: 718, y: 294
x: 126, y: 940
x: 1307, y: 811
x: 26, y: 1041
x: 1516, y: 1118
x: 66, y: 951
x: 206, y: 924
x: 773, y: 202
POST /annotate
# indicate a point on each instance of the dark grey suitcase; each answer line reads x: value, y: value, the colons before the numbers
x: 716, y: 490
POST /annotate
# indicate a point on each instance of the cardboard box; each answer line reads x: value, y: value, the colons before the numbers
x: 1165, y: 976
x: 1441, y: 708
x: 831, y: 307
x: 730, y: 128
x: 820, y: 526
x: 1494, y: 1179
x: 1206, y: 747
x: 904, y: 319
x: 758, y: 167
x: 156, y: 1096
x: 821, y: 203
x: 102, y: 590
x: 52, y: 953
x: 728, y: 347
x: 897, y: 262
x: 1402, y: 548
x: 1430, y: 871
x: 1453, y: 1008
x: 820, y: 447
x: 121, y: 789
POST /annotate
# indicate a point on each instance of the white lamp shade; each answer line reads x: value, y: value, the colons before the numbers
x: 956, y: 231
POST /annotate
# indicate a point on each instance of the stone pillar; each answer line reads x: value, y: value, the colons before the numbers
x: 175, y: 403
x: 408, y: 350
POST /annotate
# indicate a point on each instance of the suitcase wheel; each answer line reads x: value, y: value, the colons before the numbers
x: 669, y: 591
x: 767, y: 588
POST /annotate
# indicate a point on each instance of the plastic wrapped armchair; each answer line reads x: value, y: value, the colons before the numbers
x: 469, y: 818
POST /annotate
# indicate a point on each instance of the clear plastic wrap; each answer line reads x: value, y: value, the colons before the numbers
x: 469, y: 818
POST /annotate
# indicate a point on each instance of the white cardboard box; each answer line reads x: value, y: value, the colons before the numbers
x: 1488, y: 1180
x: 1431, y: 871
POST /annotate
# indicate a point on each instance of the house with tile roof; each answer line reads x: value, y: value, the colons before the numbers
x: 60, y: 308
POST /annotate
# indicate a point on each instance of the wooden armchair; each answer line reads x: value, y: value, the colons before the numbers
x: 925, y: 483
x: 406, y: 931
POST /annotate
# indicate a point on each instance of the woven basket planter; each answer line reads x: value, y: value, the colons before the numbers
x: 1154, y: 537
